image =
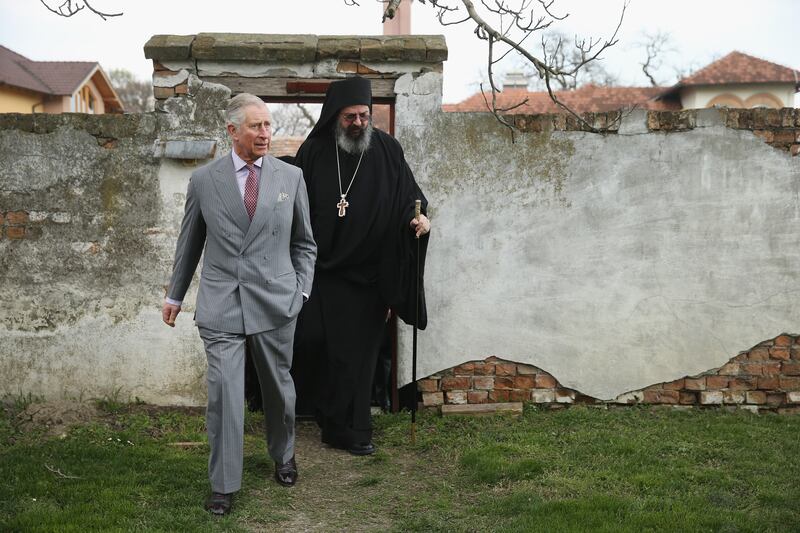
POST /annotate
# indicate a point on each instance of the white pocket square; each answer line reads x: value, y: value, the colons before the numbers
x: 282, y: 196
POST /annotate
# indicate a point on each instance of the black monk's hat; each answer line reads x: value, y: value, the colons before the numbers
x: 340, y: 94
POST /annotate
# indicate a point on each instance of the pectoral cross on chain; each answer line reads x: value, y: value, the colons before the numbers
x: 343, y: 205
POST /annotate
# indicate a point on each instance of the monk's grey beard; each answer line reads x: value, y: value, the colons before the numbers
x: 350, y: 145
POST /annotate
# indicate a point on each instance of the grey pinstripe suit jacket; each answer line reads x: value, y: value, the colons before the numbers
x: 254, y: 272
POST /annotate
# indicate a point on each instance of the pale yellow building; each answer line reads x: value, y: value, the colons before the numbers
x: 28, y: 86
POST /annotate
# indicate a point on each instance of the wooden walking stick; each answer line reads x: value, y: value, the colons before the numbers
x: 417, y: 209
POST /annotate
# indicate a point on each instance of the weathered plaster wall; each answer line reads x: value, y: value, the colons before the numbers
x: 88, y: 220
x: 610, y: 261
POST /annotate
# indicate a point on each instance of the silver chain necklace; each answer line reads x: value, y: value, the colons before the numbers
x: 343, y: 203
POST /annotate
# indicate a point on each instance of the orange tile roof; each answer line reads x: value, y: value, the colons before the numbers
x: 49, y: 77
x: 285, y: 145
x: 737, y: 67
x: 589, y: 98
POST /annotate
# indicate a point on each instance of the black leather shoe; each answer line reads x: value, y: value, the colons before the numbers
x: 362, y: 448
x: 219, y: 504
x: 286, y: 474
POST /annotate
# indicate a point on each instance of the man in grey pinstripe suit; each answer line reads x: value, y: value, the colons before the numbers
x: 248, y: 214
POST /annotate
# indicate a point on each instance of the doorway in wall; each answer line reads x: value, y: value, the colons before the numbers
x: 293, y: 115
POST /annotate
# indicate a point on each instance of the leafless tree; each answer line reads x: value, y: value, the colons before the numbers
x: 71, y: 7
x: 507, y: 27
x: 295, y: 120
x: 566, y: 60
x: 136, y: 95
x: 656, y: 46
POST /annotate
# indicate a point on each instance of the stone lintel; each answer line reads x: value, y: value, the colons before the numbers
x: 255, y: 47
x: 286, y: 48
x: 169, y: 47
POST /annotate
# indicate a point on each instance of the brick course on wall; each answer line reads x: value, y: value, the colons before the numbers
x: 765, y: 378
x: 779, y: 128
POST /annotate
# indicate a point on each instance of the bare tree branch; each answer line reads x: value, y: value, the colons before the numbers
x: 72, y: 7
x: 656, y: 46
x: 391, y: 8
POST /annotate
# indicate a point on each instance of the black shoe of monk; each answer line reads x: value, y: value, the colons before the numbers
x: 362, y: 448
x: 286, y: 473
x: 219, y: 504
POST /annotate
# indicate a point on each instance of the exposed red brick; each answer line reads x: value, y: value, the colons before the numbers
x: 565, y: 396
x: 794, y: 351
x: 484, y: 369
x: 795, y: 149
x: 744, y: 356
x: 790, y: 369
x: 545, y: 381
x: 483, y: 382
x: 183, y: 88
x: 717, y: 382
x: 687, y: 398
x: 519, y: 396
x: 769, y: 383
x: 362, y: 69
x: 15, y: 232
x: 760, y: 353
x: 432, y: 398
x: 157, y: 66
x: 498, y: 396
x: 503, y: 383
x: 524, y: 382
x: 678, y: 384
x: 464, y: 369
x: 756, y: 397
x: 790, y: 383
x: 784, y: 137
x: 731, y: 396
x: 347, y: 66
x: 661, y: 396
x: 774, y: 399
x: 729, y: 369
x: 479, y: 396
x: 1, y: 219
x: 742, y: 383
x: 779, y: 352
x: 526, y: 369
x: 783, y: 340
x: 162, y: 93
x: 491, y: 359
x: 711, y: 397
x: 455, y: 397
x: 695, y: 383
x: 428, y: 385
x: 505, y: 369
x: 16, y: 217
x: 454, y: 383
x: 771, y: 368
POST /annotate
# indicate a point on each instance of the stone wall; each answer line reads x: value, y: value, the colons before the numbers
x: 614, y: 261
x: 605, y: 267
x: 89, y: 212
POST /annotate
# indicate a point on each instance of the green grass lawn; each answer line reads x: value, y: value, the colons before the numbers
x: 578, y: 469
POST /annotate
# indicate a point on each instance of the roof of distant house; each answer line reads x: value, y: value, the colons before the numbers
x: 49, y: 77
x: 737, y: 67
x: 589, y: 98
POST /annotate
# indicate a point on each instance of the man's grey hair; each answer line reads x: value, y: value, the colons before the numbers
x: 234, y: 113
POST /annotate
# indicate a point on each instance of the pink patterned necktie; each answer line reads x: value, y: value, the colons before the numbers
x: 251, y: 191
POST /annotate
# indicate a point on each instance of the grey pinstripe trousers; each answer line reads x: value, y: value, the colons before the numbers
x: 272, y: 355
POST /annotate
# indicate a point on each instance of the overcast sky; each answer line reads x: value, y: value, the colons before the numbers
x: 701, y: 30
